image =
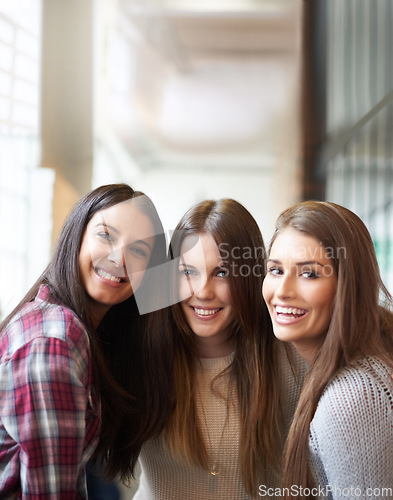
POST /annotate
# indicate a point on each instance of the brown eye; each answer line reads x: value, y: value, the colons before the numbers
x: 310, y: 274
x: 275, y: 271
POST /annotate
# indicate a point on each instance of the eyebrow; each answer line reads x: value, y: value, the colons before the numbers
x: 140, y: 242
x: 190, y: 266
x: 303, y: 263
x: 143, y: 242
x: 184, y: 264
x: 107, y: 227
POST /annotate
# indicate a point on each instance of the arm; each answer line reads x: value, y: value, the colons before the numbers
x: 351, y: 439
x: 46, y: 417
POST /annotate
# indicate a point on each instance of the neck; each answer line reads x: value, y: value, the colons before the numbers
x: 206, y: 349
x: 307, y: 352
x: 97, y: 313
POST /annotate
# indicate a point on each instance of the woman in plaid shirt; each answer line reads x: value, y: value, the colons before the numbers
x: 74, y: 376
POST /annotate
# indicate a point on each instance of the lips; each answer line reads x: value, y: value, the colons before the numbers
x: 206, y: 312
x: 294, y: 312
x: 286, y: 316
x: 108, y: 276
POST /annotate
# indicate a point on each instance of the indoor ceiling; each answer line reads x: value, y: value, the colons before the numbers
x: 190, y: 29
x: 214, y: 75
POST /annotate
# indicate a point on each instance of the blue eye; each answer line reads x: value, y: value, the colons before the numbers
x: 105, y: 236
x: 187, y: 272
x: 223, y: 273
x: 140, y: 252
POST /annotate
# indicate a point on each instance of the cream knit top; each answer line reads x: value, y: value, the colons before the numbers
x: 351, y: 434
x: 168, y: 477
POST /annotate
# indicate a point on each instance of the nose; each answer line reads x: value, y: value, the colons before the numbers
x: 117, y: 257
x: 205, y: 290
x: 287, y: 287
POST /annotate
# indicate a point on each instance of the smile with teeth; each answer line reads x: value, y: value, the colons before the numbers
x: 108, y: 276
x: 206, y: 312
x: 290, y: 311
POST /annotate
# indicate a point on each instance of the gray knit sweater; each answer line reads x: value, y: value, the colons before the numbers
x: 351, y: 434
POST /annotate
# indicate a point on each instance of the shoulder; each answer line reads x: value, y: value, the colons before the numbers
x: 351, y: 433
x: 43, y: 320
x: 362, y: 392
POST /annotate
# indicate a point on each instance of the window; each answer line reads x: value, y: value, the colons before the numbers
x: 25, y: 189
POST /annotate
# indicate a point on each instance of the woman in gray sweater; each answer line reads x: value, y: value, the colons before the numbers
x: 325, y: 296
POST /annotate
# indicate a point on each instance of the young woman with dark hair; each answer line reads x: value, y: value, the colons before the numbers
x: 235, y: 389
x: 73, y: 370
x: 326, y: 297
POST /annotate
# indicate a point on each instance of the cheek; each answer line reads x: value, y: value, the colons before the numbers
x: 186, y: 311
x: 84, y: 258
x: 266, y: 290
x: 324, y: 296
x: 136, y: 279
x: 227, y: 296
x: 324, y: 309
x: 93, y: 252
x: 134, y: 266
x: 185, y: 290
x: 323, y: 322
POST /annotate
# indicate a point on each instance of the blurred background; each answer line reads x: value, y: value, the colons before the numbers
x: 265, y: 101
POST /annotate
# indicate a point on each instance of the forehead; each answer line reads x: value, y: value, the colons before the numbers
x: 200, y: 249
x: 295, y: 245
x: 126, y: 218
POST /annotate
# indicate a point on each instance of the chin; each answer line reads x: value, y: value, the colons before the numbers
x: 282, y: 337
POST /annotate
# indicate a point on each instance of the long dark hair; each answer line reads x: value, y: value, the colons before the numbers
x: 134, y: 398
x: 361, y: 322
x: 254, y: 374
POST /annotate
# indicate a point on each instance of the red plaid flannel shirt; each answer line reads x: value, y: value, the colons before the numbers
x: 49, y: 422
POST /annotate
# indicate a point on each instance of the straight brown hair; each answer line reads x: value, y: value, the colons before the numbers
x: 254, y: 372
x: 135, y: 393
x: 361, y: 323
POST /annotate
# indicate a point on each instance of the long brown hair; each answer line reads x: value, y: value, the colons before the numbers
x: 253, y: 372
x: 361, y: 322
x: 135, y: 398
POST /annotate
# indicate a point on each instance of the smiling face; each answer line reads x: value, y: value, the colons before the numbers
x: 299, y: 290
x: 204, y: 286
x: 114, y: 255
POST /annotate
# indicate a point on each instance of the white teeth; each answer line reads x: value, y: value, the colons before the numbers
x: 289, y: 310
x: 108, y: 276
x: 206, y: 312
